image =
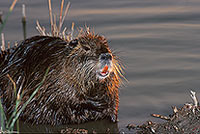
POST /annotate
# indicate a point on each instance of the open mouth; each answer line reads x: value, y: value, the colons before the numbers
x: 104, y: 66
x: 103, y: 73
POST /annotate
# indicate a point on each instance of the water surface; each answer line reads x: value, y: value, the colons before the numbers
x: 158, y: 42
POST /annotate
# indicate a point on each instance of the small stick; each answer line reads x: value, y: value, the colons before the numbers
x: 50, y: 15
x: 175, y: 110
x: 72, y: 32
x: 13, y: 4
x: 66, y: 10
x: 160, y: 116
x: 152, y: 130
x: 24, y: 21
x: 61, y: 9
x: 55, y: 29
x: 194, y: 98
x: 3, y: 42
x: 63, y: 33
x: 8, y: 45
x: 40, y: 30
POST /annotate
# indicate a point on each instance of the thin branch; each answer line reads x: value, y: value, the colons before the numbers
x: 194, y: 98
x: 60, y: 19
x: 23, y: 11
x: 13, y: 5
x: 50, y: 15
x: 24, y: 21
x: 40, y: 30
x: 72, y: 32
x: 3, y: 42
x: 8, y: 45
x: 175, y: 110
x: 160, y: 116
x: 66, y: 10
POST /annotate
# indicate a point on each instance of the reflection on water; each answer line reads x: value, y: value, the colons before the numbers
x: 158, y: 41
x: 102, y: 126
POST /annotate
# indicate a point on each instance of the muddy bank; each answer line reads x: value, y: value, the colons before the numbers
x: 184, y: 120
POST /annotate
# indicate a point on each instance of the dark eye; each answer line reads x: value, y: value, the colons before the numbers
x: 73, y: 43
x: 105, y: 56
x: 86, y: 48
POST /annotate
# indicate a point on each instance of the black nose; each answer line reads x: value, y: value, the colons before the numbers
x: 105, y: 56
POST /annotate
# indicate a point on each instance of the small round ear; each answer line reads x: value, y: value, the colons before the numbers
x: 73, y: 43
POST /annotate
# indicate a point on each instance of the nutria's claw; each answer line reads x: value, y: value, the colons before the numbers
x: 96, y: 105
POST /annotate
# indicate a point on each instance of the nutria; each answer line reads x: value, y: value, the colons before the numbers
x: 82, y: 83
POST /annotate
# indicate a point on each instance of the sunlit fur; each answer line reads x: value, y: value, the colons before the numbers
x: 72, y: 91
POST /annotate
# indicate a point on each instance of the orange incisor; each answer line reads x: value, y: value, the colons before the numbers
x: 105, y: 69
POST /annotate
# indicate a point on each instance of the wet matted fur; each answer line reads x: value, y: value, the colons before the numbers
x: 72, y: 92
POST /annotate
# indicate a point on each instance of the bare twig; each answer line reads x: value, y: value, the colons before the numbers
x: 40, y: 30
x: 3, y: 48
x: 8, y: 45
x: 160, y: 116
x: 194, y: 98
x: 63, y: 18
x: 72, y: 32
x: 63, y: 33
x: 175, y: 110
x: 24, y: 21
x: 23, y: 10
x: 55, y: 31
x: 152, y: 130
x: 60, y: 19
x: 13, y: 5
x: 50, y: 14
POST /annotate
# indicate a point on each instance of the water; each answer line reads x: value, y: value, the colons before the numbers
x: 158, y: 42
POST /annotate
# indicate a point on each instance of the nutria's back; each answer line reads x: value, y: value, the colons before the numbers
x: 82, y: 83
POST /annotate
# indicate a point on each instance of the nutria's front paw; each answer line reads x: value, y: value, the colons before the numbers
x: 95, y: 105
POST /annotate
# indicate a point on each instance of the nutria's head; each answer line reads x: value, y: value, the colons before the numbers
x: 91, y: 61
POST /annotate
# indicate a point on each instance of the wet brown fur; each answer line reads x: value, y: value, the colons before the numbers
x: 71, y: 92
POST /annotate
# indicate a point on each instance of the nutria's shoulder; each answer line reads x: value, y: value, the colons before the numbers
x: 82, y: 83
